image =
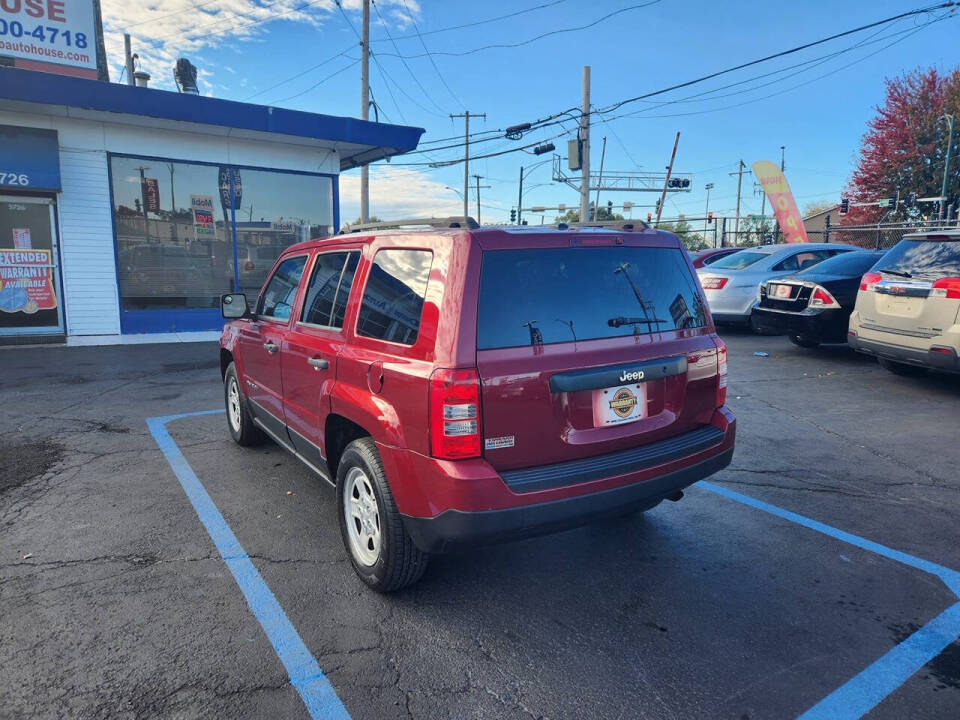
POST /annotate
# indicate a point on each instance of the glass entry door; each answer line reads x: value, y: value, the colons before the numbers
x: 30, y: 298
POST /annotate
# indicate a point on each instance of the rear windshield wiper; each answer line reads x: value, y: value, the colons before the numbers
x: 901, y: 273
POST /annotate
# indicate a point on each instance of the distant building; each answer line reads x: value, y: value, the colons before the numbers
x: 816, y: 223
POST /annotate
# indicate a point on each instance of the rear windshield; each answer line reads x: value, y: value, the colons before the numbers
x: 925, y: 259
x: 537, y: 297
x: 847, y: 263
x: 738, y: 260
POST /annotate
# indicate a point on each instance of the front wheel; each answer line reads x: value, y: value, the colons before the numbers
x: 381, y: 551
x: 802, y: 342
x: 239, y: 421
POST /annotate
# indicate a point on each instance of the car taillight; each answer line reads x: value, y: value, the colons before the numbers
x: 454, y: 414
x: 946, y: 287
x: 249, y: 266
x: 713, y: 283
x: 821, y: 298
x: 721, y: 371
x: 869, y: 279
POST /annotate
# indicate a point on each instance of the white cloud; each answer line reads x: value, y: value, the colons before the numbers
x: 165, y: 30
x: 398, y: 193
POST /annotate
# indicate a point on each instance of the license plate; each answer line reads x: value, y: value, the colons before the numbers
x: 781, y: 291
x: 619, y: 404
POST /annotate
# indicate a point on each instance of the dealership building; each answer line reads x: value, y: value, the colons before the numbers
x: 125, y: 211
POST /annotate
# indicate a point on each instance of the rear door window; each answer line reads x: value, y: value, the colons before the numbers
x: 537, y: 297
x: 329, y: 289
x: 393, y: 297
x: 924, y: 259
x: 277, y: 298
x: 847, y: 263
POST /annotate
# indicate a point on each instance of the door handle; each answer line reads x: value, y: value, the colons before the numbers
x: 270, y: 347
x: 318, y: 363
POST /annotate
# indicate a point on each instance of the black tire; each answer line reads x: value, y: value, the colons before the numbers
x: 802, y: 342
x: 398, y: 562
x: 240, y: 424
x: 898, y: 368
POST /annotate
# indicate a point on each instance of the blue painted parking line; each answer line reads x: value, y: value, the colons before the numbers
x: 302, y: 668
x: 869, y: 687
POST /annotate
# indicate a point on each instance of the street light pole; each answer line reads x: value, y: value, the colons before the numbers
x: 520, y: 200
x: 946, y: 164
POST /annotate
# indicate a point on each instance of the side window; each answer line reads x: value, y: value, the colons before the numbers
x: 786, y: 264
x: 322, y: 290
x: 277, y: 298
x: 393, y: 298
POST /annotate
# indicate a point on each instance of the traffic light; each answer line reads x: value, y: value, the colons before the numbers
x: 910, y: 200
x: 710, y: 217
x: 610, y: 206
x: 844, y: 206
x: 892, y: 201
x: 513, y: 215
x: 649, y: 217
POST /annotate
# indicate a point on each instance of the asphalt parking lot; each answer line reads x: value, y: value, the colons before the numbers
x: 759, y: 595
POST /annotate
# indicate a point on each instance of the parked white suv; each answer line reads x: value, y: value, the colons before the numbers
x: 908, y: 307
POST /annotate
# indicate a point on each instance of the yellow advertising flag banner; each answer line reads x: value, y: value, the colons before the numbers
x: 774, y: 184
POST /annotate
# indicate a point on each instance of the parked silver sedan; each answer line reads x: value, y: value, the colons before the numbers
x: 731, y: 282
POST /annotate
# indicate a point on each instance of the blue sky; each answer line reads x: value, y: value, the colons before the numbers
x: 244, y: 47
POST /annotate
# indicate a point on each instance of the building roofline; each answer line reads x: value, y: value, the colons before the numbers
x: 370, y: 140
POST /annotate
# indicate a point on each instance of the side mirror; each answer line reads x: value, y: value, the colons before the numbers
x: 233, y: 306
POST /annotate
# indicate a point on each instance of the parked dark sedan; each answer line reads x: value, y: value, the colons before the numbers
x: 814, y: 305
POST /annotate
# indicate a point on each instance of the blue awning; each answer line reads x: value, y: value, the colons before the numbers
x: 358, y: 141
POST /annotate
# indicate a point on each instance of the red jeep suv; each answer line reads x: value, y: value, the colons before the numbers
x: 467, y: 385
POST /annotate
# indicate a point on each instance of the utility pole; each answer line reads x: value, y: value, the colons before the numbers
x: 596, y: 203
x: 663, y: 195
x: 783, y: 165
x: 478, y: 178
x: 173, y: 202
x: 946, y: 165
x: 466, y: 115
x: 739, y: 174
x: 143, y: 203
x: 365, y: 108
x: 520, y: 200
x: 585, y: 146
x: 128, y: 57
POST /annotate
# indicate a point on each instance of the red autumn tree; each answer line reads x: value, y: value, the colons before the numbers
x: 905, y: 147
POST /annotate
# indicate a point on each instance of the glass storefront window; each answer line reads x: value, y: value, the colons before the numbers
x: 175, y: 236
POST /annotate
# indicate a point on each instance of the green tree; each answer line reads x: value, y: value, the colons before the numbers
x: 573, y: 216
x: 373, y: 218
x: 756, y: 230
x: 691, y: 239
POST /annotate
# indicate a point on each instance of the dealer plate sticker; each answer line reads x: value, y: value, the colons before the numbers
x: 620, y: 404
x: 498, y: 443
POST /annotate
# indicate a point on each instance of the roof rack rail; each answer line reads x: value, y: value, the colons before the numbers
x: 613, y: 224
x: 447, y: 222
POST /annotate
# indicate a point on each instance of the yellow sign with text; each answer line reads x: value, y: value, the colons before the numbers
x: 775, y: 185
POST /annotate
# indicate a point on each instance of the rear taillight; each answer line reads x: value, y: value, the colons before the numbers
x: 946, y: 287
x: 869, y: 279
x: 249, y: 266
x: 721, y: 372
x: 821, y: 298
x: 713, y: 283
x: 454, y: 414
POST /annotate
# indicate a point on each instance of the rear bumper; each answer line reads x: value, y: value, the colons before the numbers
x: 455, y: 528
x: 447, y: 510
x: 829, y: 326
x: 946, y: 359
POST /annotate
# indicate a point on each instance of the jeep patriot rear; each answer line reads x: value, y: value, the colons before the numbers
x: 461, y: 386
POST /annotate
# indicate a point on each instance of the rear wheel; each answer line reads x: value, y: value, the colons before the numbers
x: 239, y: 421
x: 898, y: 368
x: 381, y: 551
x: 803, y: 342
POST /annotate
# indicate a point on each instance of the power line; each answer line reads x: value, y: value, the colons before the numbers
x: 531, y: 40
x: 482, y: 22
x: 403, y: 60
x: 300, y: 74
x: 429, y: 54
x: 319, y: 82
